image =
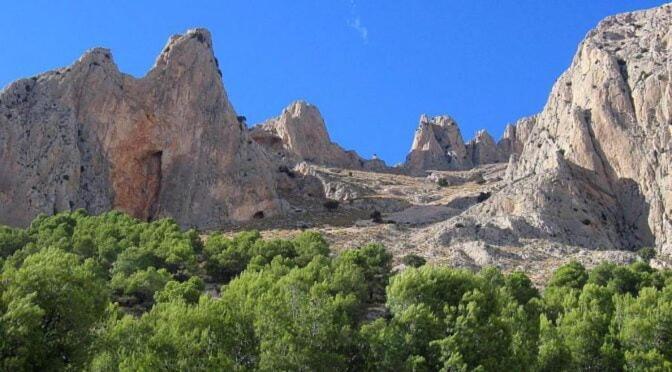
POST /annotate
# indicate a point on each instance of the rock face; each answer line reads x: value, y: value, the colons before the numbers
x: 167, y: 144
x: 594, y: 170
x: 482, y: 149
x: 300, y: 134
x: 437, y: 145
x: 514, y: 138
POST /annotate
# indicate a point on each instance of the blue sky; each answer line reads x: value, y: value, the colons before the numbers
x: 372, y: 67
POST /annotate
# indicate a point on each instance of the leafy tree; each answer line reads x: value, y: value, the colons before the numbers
x: 585, y: 331
x: 52, y: 302
x: 189, y: 291
x: 375, y: 263
x: 553, y: 353
x: 647, y: 253
x: 174, y: 336
x: 404, y: 342
x: 292, y: 305
x: 571, y: 275
x: 520, y: 287
x: 308, y: 245
x: 11, y: 240
x: 141, y: 284
x: 436, y: 287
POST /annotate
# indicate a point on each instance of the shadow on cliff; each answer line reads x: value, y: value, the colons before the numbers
x: 579, y: 208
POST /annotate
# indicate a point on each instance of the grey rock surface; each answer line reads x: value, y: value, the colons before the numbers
x: 167, y: 144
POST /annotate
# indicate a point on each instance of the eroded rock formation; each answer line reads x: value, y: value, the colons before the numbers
x: 167, y: 144
x: 482, y: 149
x: 514, y: 138
x: 437, y: 145
x: 300, y: 134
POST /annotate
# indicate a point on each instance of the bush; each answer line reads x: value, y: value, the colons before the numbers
x: 442, y: 182
x: 413, y: 260
x: 647, y: 253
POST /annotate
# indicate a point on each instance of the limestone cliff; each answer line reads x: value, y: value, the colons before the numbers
x: 167, y: 144
x: 595, y: 167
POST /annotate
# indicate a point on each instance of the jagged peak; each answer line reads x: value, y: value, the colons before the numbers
x: 194, y: 41
x: 442, y: 120
x: 300, y: 107
x: 99, y: 57
x: 481, y: 136
x: 97, y: 54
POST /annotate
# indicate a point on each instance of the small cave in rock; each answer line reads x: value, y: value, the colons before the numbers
x: 483, y: 196
x: 258, y: 215
x: 285, y: 169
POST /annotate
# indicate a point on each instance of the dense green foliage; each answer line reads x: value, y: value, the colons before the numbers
x: 109, y: 293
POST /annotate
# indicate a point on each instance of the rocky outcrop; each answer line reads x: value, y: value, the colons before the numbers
x: 437, y: 145
x: 300, y: 134
x: 482, y: 149
x: 167, y: 144
x: 514, y: 138
x: 595, y: 168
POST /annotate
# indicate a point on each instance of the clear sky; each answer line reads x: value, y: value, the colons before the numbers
x: 372, y: 67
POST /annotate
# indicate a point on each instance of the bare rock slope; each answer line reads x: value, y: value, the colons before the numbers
x: 167, y: 144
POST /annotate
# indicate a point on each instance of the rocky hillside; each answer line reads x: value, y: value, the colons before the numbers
x: 587, y: 178
x: 594, y: 172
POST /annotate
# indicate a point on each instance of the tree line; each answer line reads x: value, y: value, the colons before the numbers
x: 111, y: 293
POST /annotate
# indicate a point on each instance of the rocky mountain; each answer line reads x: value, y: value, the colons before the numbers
x: 167, y: 144
x: 587, y: 178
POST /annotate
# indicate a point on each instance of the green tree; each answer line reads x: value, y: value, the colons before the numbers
x: 553, y: 353
x: 189, y: 291
x: 174, y: 336
x: 572, y: 275
x: 52, y: 301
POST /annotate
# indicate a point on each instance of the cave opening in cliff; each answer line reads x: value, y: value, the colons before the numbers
x: 152, y: 187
